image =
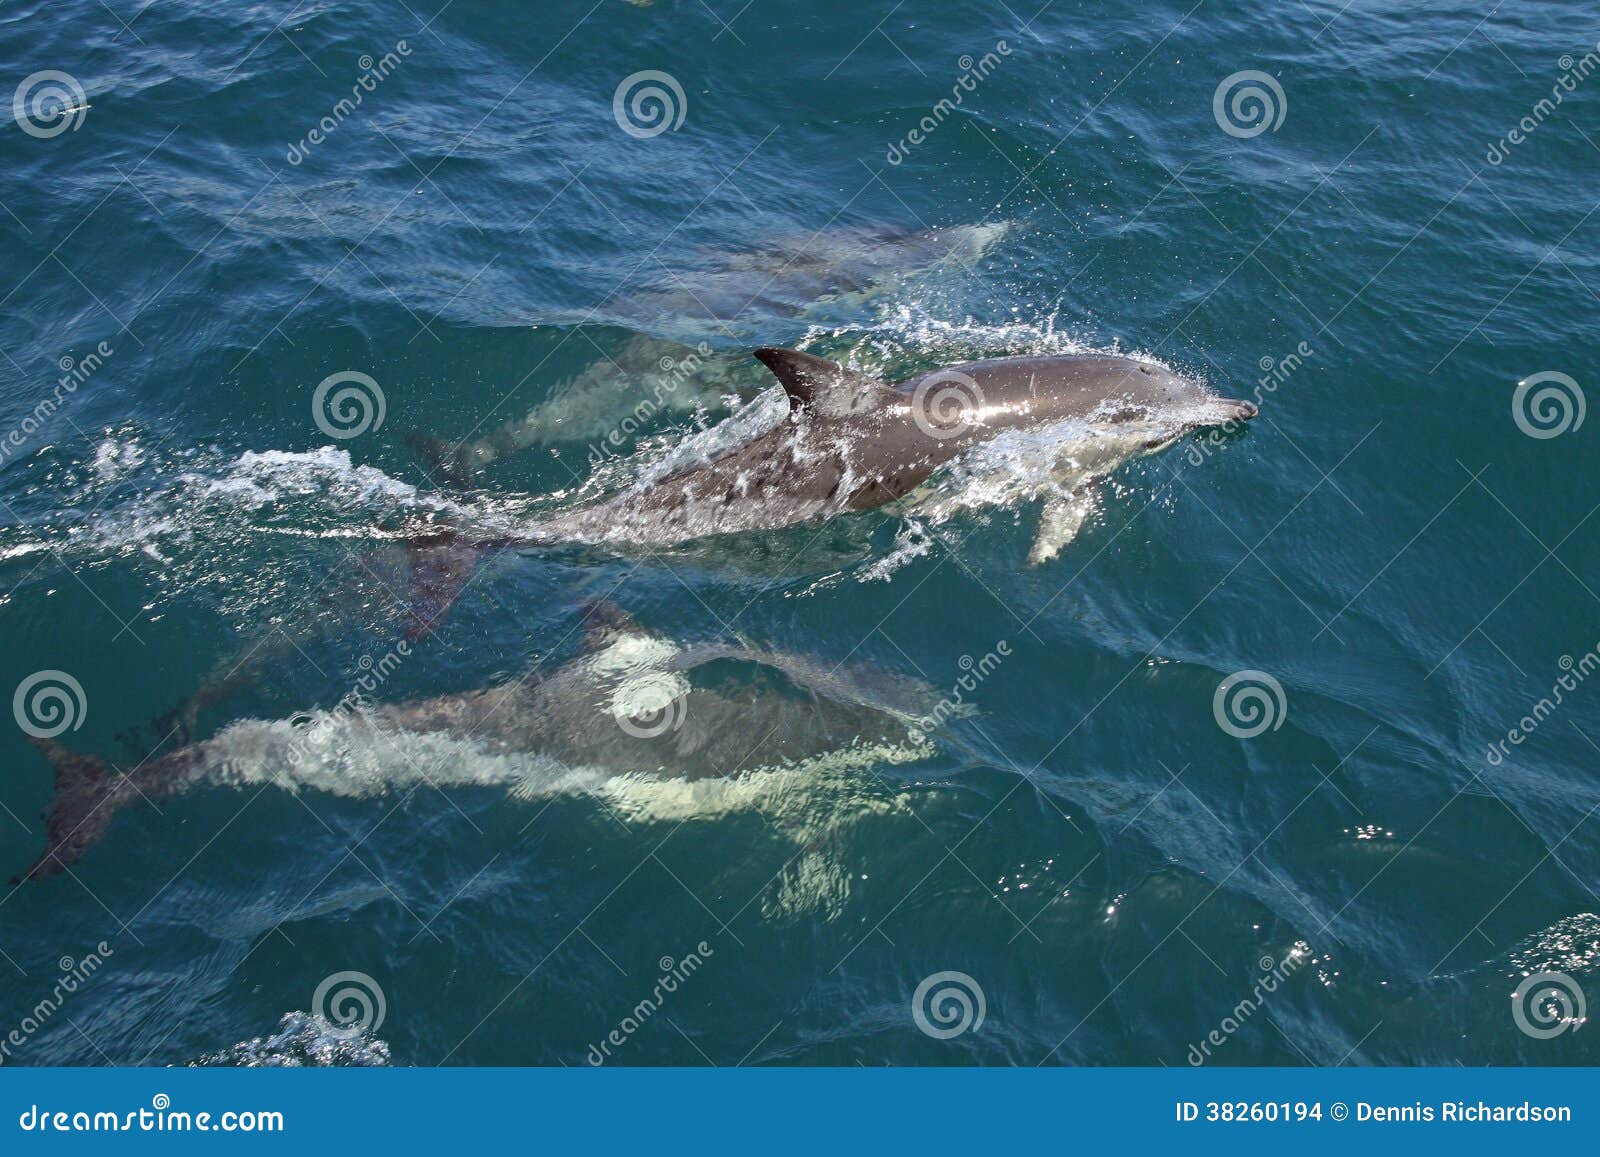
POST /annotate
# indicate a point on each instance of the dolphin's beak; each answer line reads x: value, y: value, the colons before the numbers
x: 1224, y: 412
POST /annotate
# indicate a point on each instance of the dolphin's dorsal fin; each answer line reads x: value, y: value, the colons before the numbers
x: 824, y: 387
x: 603, y: 621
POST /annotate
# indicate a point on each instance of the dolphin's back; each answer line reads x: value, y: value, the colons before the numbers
x: 1064, y: 384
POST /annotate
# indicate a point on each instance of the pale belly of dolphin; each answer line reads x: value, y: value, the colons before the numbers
x: 1061, y: 464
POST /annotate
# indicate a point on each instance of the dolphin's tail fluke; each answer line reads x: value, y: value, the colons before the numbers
x: 85, y: 799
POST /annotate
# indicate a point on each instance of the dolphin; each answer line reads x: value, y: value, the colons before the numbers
x: 850, y: 442
x: 821, y: 278
x: 632, y: 703
x: 602, y: 405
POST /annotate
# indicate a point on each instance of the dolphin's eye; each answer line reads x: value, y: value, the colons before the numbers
x: 1146, y: 370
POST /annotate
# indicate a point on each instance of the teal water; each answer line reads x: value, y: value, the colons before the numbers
x: 1101, y: 858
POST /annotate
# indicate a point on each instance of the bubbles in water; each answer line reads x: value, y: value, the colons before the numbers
x: 302, y: 1040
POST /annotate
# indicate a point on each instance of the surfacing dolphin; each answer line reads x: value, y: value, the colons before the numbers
x: 632, y: 704
x: 852, y: 443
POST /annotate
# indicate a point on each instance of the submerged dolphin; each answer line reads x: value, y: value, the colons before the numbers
x: 631, y: 384
x: 852, y: 443
x: 821, y: 278
x: 632, y: 703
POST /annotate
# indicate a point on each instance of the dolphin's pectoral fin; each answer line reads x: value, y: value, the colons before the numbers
x: 180, y: 726
x: 1063, y: 516
x: 441, y: 568
x: 80, y: 810
x: 824, y: 387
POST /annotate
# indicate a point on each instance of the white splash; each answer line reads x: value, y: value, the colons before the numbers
x: 358, y: 757
x: 303, y: 1039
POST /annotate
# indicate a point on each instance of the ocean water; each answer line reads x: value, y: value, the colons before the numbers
x: 1286, y: 757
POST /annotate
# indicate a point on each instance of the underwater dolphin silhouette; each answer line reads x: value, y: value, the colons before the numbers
x: 631, y: 703
x: 852, y: 443
x: 818, y: 278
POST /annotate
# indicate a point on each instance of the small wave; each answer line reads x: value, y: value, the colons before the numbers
x: 196, y: 512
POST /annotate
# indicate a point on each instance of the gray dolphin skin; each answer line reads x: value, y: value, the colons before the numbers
x: 631, y: 704
x: 852, y: 443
